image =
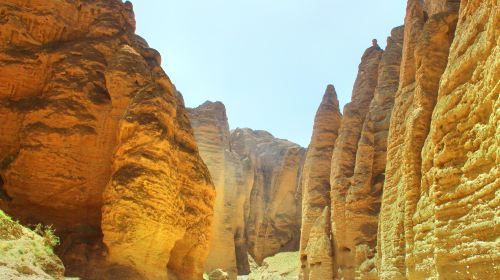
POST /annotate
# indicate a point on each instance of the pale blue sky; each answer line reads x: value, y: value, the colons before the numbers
x: 268, y: 61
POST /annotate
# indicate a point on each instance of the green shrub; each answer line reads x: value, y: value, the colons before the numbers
x: 50, y: 239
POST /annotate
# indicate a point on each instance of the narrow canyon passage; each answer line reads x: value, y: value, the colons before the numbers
x: 105, y: 173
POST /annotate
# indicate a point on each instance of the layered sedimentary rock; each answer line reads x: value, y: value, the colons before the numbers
x: 96, y: 141
x: 344, y: 158
x: 256, y: 175
x: 428, y: 36
x: 441, y: 194
x: 365, y: 193
x: 319, y: 250
x: 316, y: 179
x: 233, y: 177
x: 274, y: 206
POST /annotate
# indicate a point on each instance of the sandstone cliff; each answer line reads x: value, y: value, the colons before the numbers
x: 344, y: 159
x: 273, y: 218
x: 439, y: 205
x: 96, y: 141
x: 233, y: 178
x: 365, y: 193
x: 440, y: 173
x: 257, y: 209
x: 316, y: 181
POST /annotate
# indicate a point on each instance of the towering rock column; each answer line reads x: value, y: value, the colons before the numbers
x: 365, y: 193
x: 316, y: 183
x: 212, y: 134
x: 405, y: 234
x: 344, y: 158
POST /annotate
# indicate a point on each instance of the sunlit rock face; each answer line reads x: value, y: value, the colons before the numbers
x: 96, y: 141
x: 425, y: 54
x: 256, y: 175
x: 365, y: 193
x: 441, y: 193
x: 316, y: 188
x: 233, y: 177
x: 344, y: 159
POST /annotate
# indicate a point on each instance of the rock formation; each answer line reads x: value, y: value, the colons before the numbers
x: 439, y: 204
x: 440, y: 172
x: 26, y: 254
x: 425, y: 55
x: 257, y: 209
x: 316, y: 174
x: 233, y: 178
x: 365, y: 193
x: 344, y: 159
x: 95, y: 140
x: 273, y: 221
x: 319, y: 250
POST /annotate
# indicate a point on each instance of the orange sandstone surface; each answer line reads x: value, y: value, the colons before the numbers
x: 96, y: 141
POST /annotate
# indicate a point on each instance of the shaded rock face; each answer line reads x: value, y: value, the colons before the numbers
x: 257, y: 208
x: 274, y: 206
x: 443, y: 161
x: 344, y: 159
x: 316, y: 177
x: 96, y: 141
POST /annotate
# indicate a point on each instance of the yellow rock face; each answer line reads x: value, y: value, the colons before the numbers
x: 426, y: 47
x: 365, y: 195
x: 442, y: 181
x: 316, y: 182
x: 257, y: 182
x: 344, y: 159
x: 233, y: 179
x: 96, y: 141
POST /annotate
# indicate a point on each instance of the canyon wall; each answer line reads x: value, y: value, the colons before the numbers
x: 441, y: 193
x: 257, y: 176
x: 95, y: 140
x: 274, y: 205
x: 316, y: 189
x: 414, y: 171
x: 233, y: 179
x: 425, y: 54
x: 344, y: 160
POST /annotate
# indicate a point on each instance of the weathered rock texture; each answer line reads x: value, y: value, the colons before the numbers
x: 319, y: 250
x: 316, y: 182
x: 25, y: 254
x: 257, y: 209
x: 425, y: 55
x: 344, y: 160
x: 441, y: 192
x: 273, y: 220
x: 365, y: 193
x: 233, y: 178
x: 96, y: 141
